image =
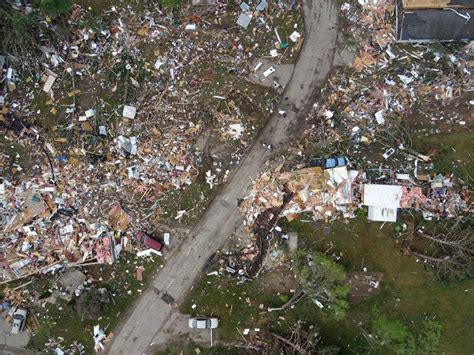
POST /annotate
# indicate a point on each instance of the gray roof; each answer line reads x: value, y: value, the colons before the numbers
x: 442, y: 25
x: 466, y: 3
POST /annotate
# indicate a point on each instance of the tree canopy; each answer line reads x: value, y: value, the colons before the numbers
x: 323, y: 280
x: 55, y: 7
x: 395, y: 336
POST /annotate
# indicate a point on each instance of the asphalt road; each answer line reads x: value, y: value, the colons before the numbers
x: 150, y: 319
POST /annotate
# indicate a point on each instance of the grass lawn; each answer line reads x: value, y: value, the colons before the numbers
x: 452, y: 153
x: 61, y: 320
x: 191, y: 350
x: 409, y: 293
x: 193, y: 199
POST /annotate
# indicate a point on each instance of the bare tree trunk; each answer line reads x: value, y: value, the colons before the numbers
x: 431, y: 258
x: 454, y: 244
x: 297, y: 347
x: 295, y: 299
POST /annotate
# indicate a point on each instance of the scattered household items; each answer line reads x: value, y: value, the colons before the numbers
x: 129, y: 112
x: 99, y: 337
x: 360, y: 104
x: 84, y: 169
x: 325, y: 193
x: 388, y: 153
x: 316, y: 191
x: 364, y: 284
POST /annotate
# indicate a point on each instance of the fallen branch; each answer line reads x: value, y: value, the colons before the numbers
x: 454, y: 244
x: 50, y: 162
x: 295, y: 299
x: 286, y: 341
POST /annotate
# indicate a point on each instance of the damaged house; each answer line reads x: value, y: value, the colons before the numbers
x: 383, y: 201
x: 434, y: 20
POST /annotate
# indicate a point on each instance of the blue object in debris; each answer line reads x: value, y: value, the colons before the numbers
x: 62, y: 158
x: 341, y: 161
x: 244, y: 6
x: 262, y: 5
x: 330, y: 163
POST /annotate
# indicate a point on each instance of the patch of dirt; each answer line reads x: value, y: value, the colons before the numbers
x: 278, y: 280
x: 455, y: 116
x: 363, y: 285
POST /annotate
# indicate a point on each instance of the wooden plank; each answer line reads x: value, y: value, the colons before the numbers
x: 435, y: 4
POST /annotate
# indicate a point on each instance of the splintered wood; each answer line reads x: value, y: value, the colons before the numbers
x: 435, y: 4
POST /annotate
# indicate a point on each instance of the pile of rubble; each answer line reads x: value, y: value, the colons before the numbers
x: 324, y: 194
x: 387, y: 79
x: 318, y: 192
x: 106, y: 122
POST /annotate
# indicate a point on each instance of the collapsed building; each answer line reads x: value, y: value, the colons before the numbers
x: 327, y: 193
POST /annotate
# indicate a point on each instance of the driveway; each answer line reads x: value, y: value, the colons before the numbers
x: 12, y: 343
x: 149, y: 322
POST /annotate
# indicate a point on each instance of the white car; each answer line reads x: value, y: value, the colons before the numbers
x: 203, y: 323
x: 19, y: 320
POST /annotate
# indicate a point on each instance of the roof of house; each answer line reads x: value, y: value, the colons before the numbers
x: 442, y: 25
x: 436, y: 4
x: 386, y: 196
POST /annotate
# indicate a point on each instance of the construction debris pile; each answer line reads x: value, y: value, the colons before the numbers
x: 387, y: 79
x: 321, y: 193
x: 324, y: 194
x: 105, y: 121
x: 46, y: 228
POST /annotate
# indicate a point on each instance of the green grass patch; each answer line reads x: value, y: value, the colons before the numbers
x: 193, y: 199
x: 62, y: 320
x: 191, y: 350
x: 224, y: 299
x: 410, y: 294
x: 261, y: 44
x: 172, y: 4
x: 409, y: 291
x: 452, y: 153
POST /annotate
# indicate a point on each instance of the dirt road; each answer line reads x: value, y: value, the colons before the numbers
x: 152, y: 314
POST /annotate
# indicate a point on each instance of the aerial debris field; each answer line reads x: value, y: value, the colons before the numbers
x: 122, y: 122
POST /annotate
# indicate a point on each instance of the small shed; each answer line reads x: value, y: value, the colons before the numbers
x: 383, y: 201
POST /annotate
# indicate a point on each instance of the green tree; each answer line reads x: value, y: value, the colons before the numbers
x: 323, y: 281
x: 17, y: 30
x: 392, y: 335
x: 172, y: 4
x: 428, y: 339
x: 55, y: 7
x: 396, y: 337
